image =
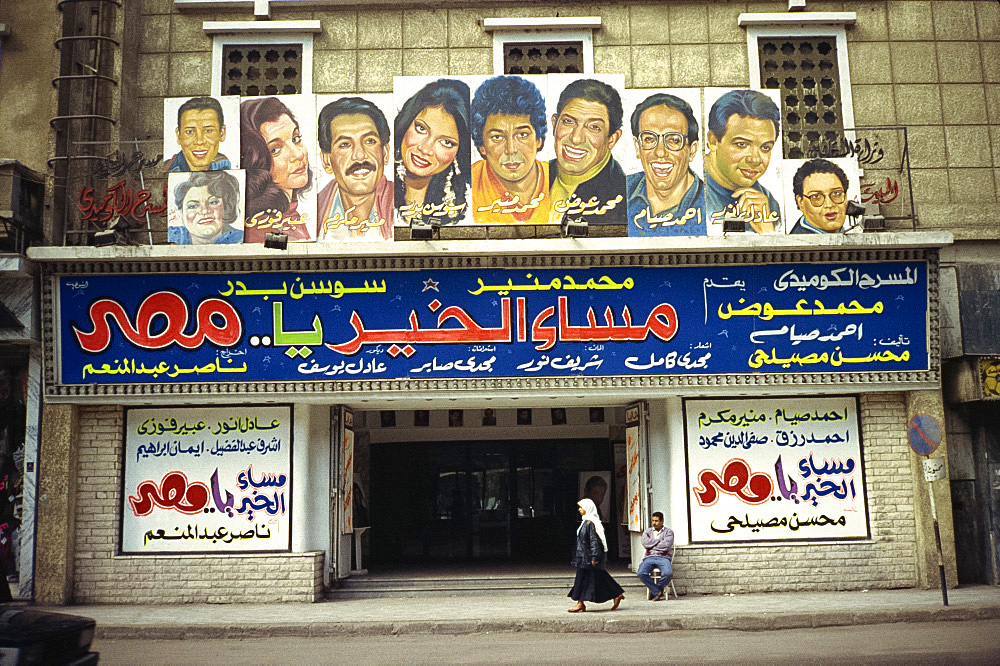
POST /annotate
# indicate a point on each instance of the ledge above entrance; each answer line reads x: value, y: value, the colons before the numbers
x: 497, y: 248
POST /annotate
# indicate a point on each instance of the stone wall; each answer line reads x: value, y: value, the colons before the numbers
x: 885, y: 561
x: 888, y: 560
x: 102, y: 576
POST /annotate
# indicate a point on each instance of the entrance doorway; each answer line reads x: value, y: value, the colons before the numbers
x: 482, y: 500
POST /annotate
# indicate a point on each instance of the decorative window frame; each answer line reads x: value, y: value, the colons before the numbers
x: 803, y: 24
x: 225, y: 33
x: 543, y: 30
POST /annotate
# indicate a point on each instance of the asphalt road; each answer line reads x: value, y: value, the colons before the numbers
x: 941, y: 642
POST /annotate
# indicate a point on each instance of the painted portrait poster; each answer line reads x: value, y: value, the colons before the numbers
x: 354, y: 168
x: 201, y: 133
x: 817, y: 193
x: 432, y: 150
x: 510, y: 168
x: 205, y: 207
x: 743, y: 159
x: 207, y: 479
x: 777, y: 469
x: 586, y: 178
x: 664, y: 164
x: 277, y: 135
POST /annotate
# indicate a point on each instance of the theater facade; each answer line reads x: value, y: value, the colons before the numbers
x: 344, y: 321
x: 243, y: 420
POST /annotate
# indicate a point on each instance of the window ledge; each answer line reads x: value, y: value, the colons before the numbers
x: 543, y: 23
x: 260, y: 27
x: 799, y: 18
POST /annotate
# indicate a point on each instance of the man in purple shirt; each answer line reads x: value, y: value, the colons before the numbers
x: 658, y: 541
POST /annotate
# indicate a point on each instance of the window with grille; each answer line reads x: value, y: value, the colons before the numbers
x: 261, y: 69
x: 543, y: 57
x: 806, y: 71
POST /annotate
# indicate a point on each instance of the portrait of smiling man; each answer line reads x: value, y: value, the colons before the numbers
x: 508, y: 130
x: 665, y: 134
x: 741, y: 140
x: 354, y: 148
x: 201, y: 127
x: 585, y: 128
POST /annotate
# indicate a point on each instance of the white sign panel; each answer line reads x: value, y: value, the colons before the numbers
x: 632, y: 478
x: 775, y: 469
x: 347, y: 480
x: 207, y: 479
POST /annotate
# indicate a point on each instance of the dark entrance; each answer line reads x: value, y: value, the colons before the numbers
x: 492, y: 500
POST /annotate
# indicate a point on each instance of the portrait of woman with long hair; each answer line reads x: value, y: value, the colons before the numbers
x: 274, y: 155
x: 433, y: 153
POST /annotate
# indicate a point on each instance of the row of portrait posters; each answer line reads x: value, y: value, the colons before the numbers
x: 477, y: 150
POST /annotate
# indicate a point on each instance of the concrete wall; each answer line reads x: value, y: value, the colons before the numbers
x: 27, y: 102
x: 99, y: 575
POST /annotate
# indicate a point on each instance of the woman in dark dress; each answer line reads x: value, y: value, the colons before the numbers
x: 593, y: 582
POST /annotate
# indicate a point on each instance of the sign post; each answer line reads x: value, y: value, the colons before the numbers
x: 925, y: 436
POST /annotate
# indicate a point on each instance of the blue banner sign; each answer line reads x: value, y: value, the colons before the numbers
x: 787, y: 318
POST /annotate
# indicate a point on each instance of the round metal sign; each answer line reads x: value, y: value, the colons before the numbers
x: 924, y: 434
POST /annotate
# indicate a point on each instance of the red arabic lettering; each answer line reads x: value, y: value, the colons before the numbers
x: 736, y: 480
x: 174, y: 492
x: 169, y: 310
x: 886, y: 194
x: 119, y: 202
x: 661, y: 322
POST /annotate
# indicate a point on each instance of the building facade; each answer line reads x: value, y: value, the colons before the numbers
x: 244, y: 422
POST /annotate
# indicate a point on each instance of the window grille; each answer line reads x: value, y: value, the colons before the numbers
x: 805, y: 70
x: 261, y: 69
x: 543, y: 57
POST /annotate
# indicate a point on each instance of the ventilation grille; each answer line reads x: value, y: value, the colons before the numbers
x: 262, y: 69
x: 543, y: 58
x: 806, y: 73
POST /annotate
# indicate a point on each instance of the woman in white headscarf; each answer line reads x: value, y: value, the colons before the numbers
x: 593, y: 582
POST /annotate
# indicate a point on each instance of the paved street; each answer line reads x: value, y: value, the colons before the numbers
x: 925, y: 642
x: 517, y: 612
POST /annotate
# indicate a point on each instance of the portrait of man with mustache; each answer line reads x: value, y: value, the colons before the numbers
x: 357, y: 204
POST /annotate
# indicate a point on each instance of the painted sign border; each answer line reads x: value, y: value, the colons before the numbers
x: 744, y: 542
x: 120, y: 552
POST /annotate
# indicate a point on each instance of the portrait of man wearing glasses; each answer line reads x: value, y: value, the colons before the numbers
x: 820, y: 189
x: 666, y: 198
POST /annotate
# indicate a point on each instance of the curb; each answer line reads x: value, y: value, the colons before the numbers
x: 739, y: 622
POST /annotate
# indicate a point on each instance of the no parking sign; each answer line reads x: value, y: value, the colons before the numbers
x: 924, y: 434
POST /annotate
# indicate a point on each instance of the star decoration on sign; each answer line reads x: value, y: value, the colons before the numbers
x: 429, y: 284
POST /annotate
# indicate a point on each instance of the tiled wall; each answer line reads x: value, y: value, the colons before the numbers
x: 888, y: 560
x: 101, y: 576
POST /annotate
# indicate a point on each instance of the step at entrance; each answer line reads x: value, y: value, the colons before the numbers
x: 442, y: 584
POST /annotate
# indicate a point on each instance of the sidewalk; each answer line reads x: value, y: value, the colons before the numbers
x: 536, y: 612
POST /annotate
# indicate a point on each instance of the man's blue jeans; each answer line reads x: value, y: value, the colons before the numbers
x: 646, y: 568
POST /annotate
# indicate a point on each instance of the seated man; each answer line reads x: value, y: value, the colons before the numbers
x: 659, y: 544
